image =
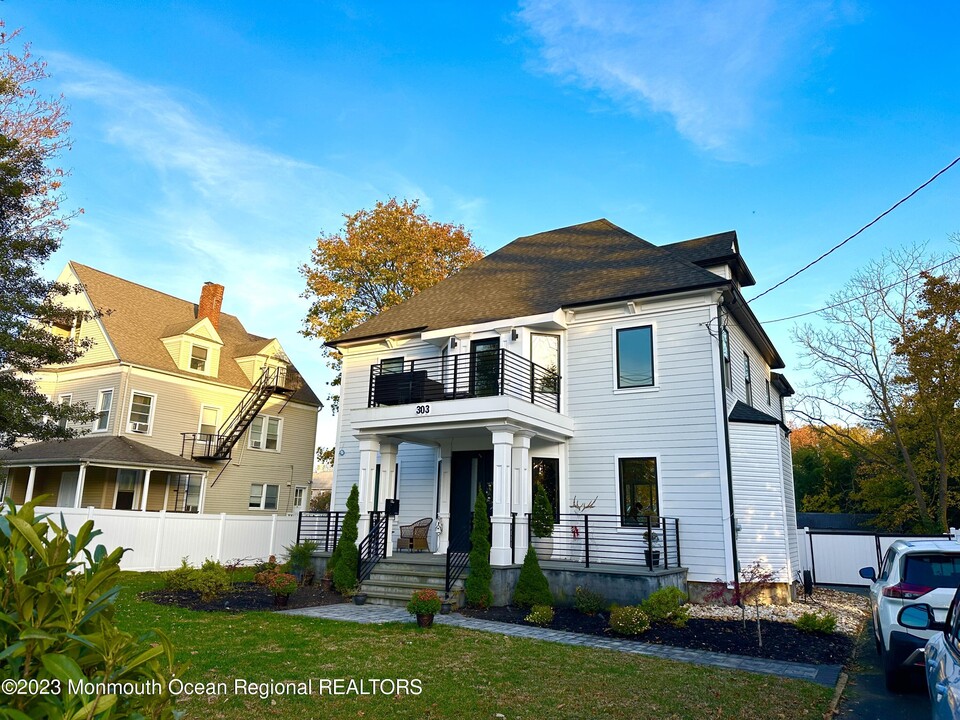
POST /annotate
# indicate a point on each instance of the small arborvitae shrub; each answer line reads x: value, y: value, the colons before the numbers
x: 211, y: 580
x: 667, y: 605
x: 180, y: 578
x: 589, y: 602
x: 541, y: 519
x: 346, y: 556
x: 541, y: 615
x: 532, y: 586
x: 813, y: 623
x: 57, y: 601
x: 628, y: 620
x: 477, y: 584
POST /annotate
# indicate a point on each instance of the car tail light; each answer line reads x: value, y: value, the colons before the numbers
x: 906, y: 591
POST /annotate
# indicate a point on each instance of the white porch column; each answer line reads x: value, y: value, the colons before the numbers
x: 146, y: 490
x: 369, y: 447
x: 502, y: 493
x: 30, y: 483
x: 81, y: 476
x: 388, y: 480
x: 522, y: 502
x: 443, y: 515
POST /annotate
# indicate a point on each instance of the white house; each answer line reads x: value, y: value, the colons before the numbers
x: 632, y: 381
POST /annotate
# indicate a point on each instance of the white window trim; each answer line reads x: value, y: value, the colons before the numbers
x: 263, y: 497
x: 616, y: 478
x: 207, y: 363
x: 204, y: 406
x: 304, y: 502
x: 65, y: 399
x: 113, y: 404
x: 153, y: 412
x: 617, y: 390
x: 263, y: 434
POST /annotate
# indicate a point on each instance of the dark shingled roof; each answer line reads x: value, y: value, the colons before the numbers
x: 715, y: 250
x: 98, y: 449
x: 744, y: 413
x: 577, y: 265
x: 137, y: 317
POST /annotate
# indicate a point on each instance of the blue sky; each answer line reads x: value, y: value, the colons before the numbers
x: 215, y: 140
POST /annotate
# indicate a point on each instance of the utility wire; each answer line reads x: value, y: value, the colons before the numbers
x: 872, y: 222
x: 861, y: 297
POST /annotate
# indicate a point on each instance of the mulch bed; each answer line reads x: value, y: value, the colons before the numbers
x: 243, y: 597
x: 781, y: 641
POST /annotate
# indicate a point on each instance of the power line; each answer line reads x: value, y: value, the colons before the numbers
x: 872, y: 222
x: 861, y: 297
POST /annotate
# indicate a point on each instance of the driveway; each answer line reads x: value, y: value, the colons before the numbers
x: 867, y: 698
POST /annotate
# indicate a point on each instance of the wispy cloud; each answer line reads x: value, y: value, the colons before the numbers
x: 707, y: 64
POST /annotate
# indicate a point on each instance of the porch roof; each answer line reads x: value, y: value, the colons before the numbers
x: 111, y: 450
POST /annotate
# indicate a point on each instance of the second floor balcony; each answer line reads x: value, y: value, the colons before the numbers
x: 480, y: 374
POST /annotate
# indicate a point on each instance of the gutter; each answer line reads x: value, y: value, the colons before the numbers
x: 726, y: 440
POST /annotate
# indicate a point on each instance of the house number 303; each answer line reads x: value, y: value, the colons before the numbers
x: 423, y: 409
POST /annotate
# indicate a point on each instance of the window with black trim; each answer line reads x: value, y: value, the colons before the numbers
x: 635, y: 357
x: 391, y: 365
x: 639, y: 498
x: 546, y: 472
x: 725, y: 347
x: 747, y: 380
x: 766, y: 384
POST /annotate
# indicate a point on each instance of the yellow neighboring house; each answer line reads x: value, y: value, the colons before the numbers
x: 195, y: 414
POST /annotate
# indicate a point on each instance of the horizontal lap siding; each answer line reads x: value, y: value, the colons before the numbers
x: 756, y: 457
x: 677, y: 423
x: 791, y: 503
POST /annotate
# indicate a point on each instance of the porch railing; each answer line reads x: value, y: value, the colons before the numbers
x: 323, y: 528
x: 458, y: 553
x: 480, y: 374
x: 596, y: 539
x: 374, y: 546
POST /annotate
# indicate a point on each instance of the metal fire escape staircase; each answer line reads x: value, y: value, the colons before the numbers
x: 206, y: 446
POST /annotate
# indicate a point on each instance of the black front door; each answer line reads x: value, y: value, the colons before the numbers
x: 469, y: 471
x: 485, y: 367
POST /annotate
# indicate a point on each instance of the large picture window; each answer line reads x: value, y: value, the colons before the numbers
x: 639, y: 497
x: 635, y: 357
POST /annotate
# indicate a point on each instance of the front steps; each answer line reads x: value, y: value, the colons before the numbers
x: 395, y: 578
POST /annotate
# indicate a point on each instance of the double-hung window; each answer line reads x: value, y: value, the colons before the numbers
x: 64, y: 400
x: 198, y: 358
x: 265, y: 433
x: 639, y: 495
x: 635, y: 357
x: 264, y: 497
x: 104, y: 405
x: 141, y: 412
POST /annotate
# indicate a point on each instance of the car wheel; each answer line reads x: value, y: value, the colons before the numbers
x: 893, y: 674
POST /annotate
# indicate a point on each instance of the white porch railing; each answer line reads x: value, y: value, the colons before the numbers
x: 159, y: 540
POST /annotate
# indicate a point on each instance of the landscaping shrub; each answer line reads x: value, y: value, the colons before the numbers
x: 346, y: 556
x: 541, y: 519
x: 813, y: 623
x: 210, y: 580
x: 667, y: 605
x: 424, y: 602
x: 300, y: 557
x: 628, y: 620
x: 589, y: 602
x: 532, y: 586
x: 477, y: 584
x: 180, y: 578
x: 57, y: 604
x: 541, y: 615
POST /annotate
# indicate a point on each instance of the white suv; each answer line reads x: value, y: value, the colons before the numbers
x: 913, y: 571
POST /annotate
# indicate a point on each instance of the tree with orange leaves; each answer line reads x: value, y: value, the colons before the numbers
x: 381, y: 257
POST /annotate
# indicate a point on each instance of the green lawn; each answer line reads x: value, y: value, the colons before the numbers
x: 463, y: 674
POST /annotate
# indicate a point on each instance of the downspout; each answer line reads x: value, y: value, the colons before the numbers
x: 726, y: 439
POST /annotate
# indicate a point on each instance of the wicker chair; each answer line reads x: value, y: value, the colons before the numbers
x: 414, y: 536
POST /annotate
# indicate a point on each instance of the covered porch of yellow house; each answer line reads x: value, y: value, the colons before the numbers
x: 103, y: 472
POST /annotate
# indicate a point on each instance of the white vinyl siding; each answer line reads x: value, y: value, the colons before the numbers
x: 790, y: 502
x: 756, y: 459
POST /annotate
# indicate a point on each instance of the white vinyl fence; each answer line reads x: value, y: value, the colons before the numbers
x: 159, y: 540
x: 834, y: 557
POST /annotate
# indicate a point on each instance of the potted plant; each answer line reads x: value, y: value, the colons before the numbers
x: 424, y: 603
x: 282, y: 585
x: 446, y: 606
x: 359, y: 597
x: 651, y: 555
x: 326, y: 582
x: 541, y: 523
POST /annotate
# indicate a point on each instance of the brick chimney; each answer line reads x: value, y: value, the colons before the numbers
x: 211, y: 297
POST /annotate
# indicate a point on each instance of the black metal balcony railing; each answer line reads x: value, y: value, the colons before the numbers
x: 480, y: 374
x: 596, y: 539
x: 324, y: 528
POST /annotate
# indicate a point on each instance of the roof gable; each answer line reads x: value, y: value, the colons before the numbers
x: 578, y: 265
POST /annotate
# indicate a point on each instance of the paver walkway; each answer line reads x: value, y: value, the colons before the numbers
x: 822, y: 674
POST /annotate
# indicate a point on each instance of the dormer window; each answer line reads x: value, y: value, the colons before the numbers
x: 198, y: 358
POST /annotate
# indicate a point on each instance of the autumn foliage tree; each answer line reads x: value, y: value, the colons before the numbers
x: 381, y: 257
x: 32, y: 134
